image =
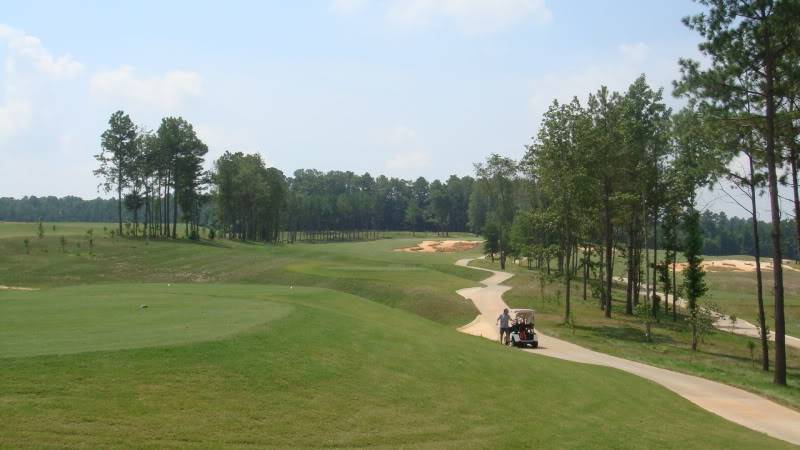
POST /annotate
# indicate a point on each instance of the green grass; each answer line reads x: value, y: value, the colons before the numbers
x: 722, y: 357
x: 312, y: 345
x: 116, y: 316
x: 337, y: 371
x: 735, y: 292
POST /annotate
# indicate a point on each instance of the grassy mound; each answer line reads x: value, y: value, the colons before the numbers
x: 335, y: 370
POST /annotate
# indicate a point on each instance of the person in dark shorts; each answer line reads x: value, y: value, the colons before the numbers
x: 505, y: 326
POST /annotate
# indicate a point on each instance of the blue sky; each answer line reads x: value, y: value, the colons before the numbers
x: 400, y: 87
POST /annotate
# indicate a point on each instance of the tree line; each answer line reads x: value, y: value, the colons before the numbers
x: 610, y: 173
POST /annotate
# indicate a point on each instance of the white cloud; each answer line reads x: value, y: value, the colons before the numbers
x: 345, y: 7
x: 27, y: 69
x: 409, y: 152
x: 409, y: 160
x: 165, y: 92
x: 635, y: 52
x: 30, y: 48
x: 15, y: 116
x: 471, y: 16
x: 220, y: 140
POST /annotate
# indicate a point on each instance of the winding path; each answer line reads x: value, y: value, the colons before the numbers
x: 734, y: 404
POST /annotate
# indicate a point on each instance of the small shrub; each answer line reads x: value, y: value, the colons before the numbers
x: 63, y: 243
x: 40, y: 230
x: 90, y: 239
x: 211, y: 234
x: 27, y: 243
x: 644, y: 313
x: 752, y: 347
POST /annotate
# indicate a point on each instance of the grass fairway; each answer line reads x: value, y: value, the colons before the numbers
x: 312, y: 345
x: 339, y: 371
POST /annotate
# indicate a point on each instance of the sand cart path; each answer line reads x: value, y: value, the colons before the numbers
x: 734, y: 404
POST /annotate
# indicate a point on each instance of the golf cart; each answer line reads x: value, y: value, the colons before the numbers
x: 522, y: 332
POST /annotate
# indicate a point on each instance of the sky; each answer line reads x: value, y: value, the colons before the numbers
x: 404, y: 88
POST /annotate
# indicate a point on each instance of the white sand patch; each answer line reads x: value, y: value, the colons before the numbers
x: 441, y: 246
x: 735, y: 265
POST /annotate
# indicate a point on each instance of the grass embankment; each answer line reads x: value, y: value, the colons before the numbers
x: 722, y: 357
x: 240, y: 352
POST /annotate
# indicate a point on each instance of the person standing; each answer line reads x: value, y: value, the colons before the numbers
x: 505, y: 326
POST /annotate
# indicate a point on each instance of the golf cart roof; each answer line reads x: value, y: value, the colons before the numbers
x: 526, y: 313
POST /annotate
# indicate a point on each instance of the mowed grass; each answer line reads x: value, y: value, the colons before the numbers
x: 421, y: 283
x: 722, y: 356
x: 110, y: 317
x: 328, y: 369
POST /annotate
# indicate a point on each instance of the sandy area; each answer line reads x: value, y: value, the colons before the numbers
x: 735, y: 265
x: 440, y: 246
x: 16, y: 288
x: 734, y: 404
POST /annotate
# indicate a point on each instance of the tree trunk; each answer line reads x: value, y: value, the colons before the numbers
x: 567, y: 279
x: 608, y: 242
x: 175, y: 213
x: 777, y: 257
x: 586, y: 257
x: 119, y: 199
x: 762, y: 320
x: 631, y: 278
x: 655, y: 264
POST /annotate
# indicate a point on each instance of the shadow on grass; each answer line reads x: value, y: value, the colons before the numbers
x: 624, y: 333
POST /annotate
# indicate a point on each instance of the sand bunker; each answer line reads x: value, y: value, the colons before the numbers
x: 735, y: 265
x: 441, y: 246
x: 16, y: 288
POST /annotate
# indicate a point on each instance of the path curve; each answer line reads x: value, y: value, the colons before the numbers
x: 734, y: 404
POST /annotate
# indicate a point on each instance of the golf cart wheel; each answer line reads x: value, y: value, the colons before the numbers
x: 535, y: 345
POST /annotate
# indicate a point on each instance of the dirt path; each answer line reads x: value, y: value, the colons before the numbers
x: 723, y: 322
x: 734, y: 404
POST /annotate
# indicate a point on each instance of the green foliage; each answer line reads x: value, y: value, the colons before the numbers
x: 644, y: 312
x: 40, y: 230
x: 62, y: 241
x: 751, y: 346
x: 90, y: 240
x: 694, y: 285
x: 491, y: 236
x: 27, y: 243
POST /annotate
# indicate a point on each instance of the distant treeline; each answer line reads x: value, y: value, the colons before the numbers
x: 723, y: 235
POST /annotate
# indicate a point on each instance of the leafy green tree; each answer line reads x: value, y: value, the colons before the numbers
x: 491, y: 243
x: 499, y: 175
x: 694, y: 285
x: 118, y: 145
